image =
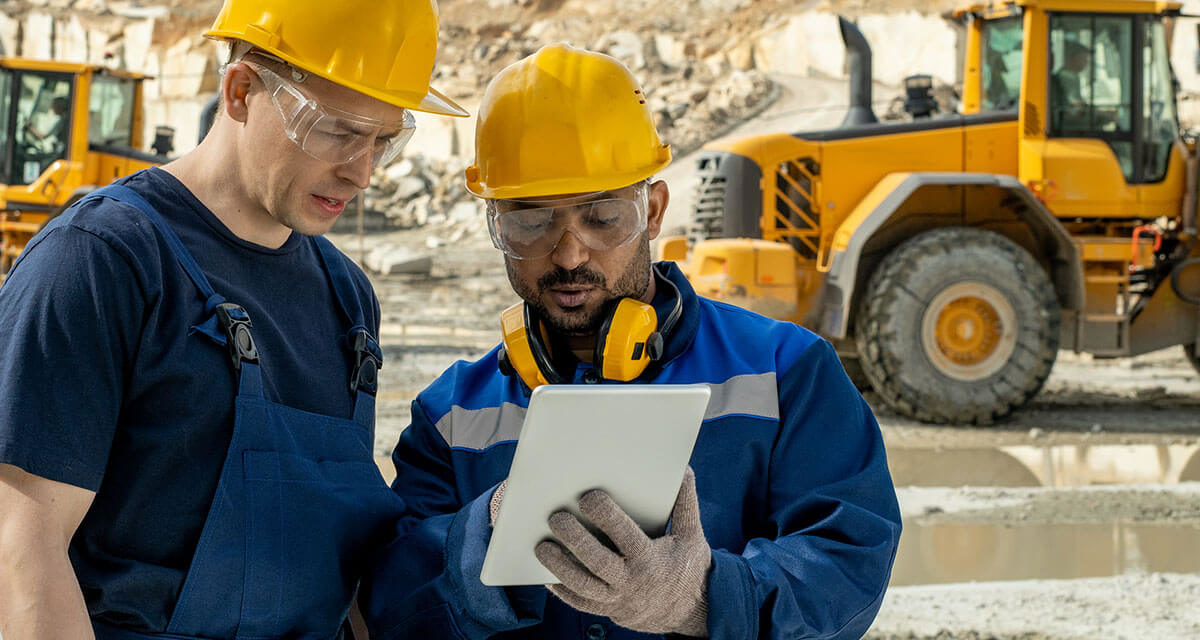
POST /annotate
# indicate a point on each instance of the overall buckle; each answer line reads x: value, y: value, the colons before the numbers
x: 235, y: 322
x: 367, y: 363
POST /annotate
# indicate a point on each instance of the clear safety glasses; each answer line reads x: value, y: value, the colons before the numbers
x: 530, y: 229
x: 330, y: 134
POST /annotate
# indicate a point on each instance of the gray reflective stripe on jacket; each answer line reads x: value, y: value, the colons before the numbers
x: 753, y: 395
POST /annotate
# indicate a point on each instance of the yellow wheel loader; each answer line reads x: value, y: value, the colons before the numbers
x: 949, y: 258
x: 65, y: 129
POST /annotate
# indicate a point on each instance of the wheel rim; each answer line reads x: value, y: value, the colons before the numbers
x: 969, y: 331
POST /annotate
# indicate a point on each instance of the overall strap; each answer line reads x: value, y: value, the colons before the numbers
x: 124, y: 194
x: 368, y: 357
x: 227, y: 323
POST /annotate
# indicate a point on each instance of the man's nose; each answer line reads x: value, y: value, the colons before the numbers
x: 358, y: 170
x: 570, y: 252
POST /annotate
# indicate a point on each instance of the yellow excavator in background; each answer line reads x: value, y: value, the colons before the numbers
x: 65, y: 130
x: 950, y: 258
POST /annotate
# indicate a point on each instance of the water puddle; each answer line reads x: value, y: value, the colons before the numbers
x: 946, y: 553
x: 1045, y: 466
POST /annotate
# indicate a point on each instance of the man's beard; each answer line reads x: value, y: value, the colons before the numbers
x: 632, y: 283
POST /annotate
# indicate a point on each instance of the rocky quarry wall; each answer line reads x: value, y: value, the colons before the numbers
x: 705, y: 65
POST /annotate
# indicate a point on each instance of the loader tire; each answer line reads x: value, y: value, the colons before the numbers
x: 958, y: 325
x: 1189, y: 350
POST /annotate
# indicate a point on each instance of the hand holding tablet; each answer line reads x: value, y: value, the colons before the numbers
x: 653, y: 585
x: 631, y: 441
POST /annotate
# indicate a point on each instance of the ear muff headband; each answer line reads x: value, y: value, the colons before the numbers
x: 537, y: 338
x: 673, y: 316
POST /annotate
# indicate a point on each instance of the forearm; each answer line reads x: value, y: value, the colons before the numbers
x: 39, y: 594
x: 822, y: 576
x: 793, y: 591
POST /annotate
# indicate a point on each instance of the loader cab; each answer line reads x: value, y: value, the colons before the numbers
x: 1105, y: 76
x: 1098, y: 133
x: 1110, y: 80
x: 47, y: 115
x: 35, y: 122
x: 65, y: 129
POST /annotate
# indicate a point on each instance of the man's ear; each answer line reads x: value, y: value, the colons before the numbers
x: 235, y: 86
x: 660, y: 196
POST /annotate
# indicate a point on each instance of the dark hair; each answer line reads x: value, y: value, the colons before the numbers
x: 1074, y: 48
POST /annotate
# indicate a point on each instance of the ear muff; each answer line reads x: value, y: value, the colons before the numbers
x: 621, y: 344
x: 629, y: 339
x: 631, y: 336
x: 523, y: 349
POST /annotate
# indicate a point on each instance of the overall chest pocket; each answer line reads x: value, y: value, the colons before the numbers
x: 311, y: 526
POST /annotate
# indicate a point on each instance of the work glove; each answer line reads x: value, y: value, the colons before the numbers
x: 494, y: 504
x: 657, y: 585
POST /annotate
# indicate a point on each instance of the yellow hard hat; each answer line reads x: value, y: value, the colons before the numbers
x: 381, y: 48
x: 563, y: 121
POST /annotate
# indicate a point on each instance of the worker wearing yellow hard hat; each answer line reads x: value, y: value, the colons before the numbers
x: 186, y: 432
x: 789, y: 523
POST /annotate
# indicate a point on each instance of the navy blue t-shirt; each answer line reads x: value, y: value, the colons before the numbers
x: 105, y: 388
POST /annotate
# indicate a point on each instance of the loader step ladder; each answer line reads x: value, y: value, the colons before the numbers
x: 1103, y: 327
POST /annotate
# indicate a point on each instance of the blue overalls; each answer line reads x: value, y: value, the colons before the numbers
x: 300, y: 504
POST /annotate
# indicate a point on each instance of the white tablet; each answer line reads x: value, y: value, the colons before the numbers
x: 633, y: 441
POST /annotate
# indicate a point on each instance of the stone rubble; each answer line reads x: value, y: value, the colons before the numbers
x: 704, y: 65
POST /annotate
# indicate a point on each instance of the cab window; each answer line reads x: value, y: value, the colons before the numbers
x: 41, y: 123
x: 1159, y: 123
x: 1001, y: 40
x: 110, y: 112
x: 6, y: 83
x: 1091, y: 84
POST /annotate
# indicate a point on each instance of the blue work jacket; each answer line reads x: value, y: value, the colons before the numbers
x: 795, y: 496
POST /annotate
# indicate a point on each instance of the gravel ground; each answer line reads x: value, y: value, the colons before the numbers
x: 1178, y: 504
x: 1145, y: 607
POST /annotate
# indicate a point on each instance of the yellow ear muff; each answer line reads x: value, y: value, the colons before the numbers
x: 516, y: 354
x: 626, y: 341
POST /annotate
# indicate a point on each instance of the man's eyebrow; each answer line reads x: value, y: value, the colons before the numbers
x: 354, y: 127
x: 363, y: 130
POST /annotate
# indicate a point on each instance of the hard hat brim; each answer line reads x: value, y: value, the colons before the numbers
x: 434, y: 101
x: 437, y: 102
x: 564, y: 186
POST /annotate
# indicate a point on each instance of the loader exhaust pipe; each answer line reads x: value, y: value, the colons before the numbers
x: 858, y: 58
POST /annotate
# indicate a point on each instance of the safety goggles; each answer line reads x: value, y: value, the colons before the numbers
x: 330, y: 134
x: 531, y: 229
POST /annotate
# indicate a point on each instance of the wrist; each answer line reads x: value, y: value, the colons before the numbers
x: 695, y: 623
x: 695, y: 619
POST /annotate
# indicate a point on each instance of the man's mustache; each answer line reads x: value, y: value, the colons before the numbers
x: 578, y: 275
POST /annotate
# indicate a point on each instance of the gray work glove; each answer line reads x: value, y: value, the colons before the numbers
x: 655, y: 585
x: 494, y: 504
